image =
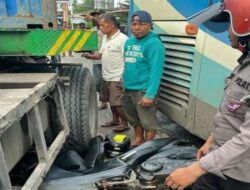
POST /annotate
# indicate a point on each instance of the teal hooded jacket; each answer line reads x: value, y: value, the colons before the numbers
x: 144, y: 59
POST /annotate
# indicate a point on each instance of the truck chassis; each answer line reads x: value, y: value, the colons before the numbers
x: 23, y: 95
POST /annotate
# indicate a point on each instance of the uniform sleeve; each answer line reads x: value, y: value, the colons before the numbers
x: 155, y: 56
x: 231, y: 153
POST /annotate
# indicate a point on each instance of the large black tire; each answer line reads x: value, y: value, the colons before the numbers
x: 97, y: 74
x: 80, y: 103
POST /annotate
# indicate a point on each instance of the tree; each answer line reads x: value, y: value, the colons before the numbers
x: 86, y: 6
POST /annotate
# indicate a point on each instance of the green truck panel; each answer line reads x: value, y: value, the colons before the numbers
x: 46, y: 42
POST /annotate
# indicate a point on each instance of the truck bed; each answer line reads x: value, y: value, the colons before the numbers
x: 19, y: 93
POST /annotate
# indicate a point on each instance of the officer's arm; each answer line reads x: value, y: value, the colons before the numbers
x: 231, y: 153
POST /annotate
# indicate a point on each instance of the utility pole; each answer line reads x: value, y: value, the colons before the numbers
x: 71, y: 14
x: 65, y: 8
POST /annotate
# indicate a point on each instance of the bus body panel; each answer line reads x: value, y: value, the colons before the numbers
x: 195, y: 66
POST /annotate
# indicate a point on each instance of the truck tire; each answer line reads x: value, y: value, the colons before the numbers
x: 80, y: 103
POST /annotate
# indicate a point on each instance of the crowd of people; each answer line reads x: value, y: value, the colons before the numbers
x: 131, y: 71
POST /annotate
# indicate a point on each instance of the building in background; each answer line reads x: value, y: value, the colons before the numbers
x: 121, y: 3
x: 104, y: 4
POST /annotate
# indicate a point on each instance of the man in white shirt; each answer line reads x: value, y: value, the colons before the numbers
x: 111, y: 53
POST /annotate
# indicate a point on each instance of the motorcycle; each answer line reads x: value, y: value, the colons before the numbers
x: 143, y: 167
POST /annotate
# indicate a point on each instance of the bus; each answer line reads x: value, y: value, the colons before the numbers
x: 196, y: 65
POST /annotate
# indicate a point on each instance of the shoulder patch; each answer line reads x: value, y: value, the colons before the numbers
x: 232, y: 107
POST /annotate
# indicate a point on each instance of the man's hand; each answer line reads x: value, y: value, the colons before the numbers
x: 92, y: 55
x: 145, y: 102
x: 88, y: 17
x: 183, y: 177
x: 205, y: 148
x: 87, y: 55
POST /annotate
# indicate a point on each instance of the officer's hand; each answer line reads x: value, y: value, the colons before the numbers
x: 204, y: 149
x: 183, y: 177
x: 145, y: 102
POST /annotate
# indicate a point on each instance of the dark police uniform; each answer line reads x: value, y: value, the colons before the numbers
x: 229, y: 157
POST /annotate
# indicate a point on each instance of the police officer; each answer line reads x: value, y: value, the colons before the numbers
x: 224, y: 160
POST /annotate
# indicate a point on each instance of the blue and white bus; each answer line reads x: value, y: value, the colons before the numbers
x: 195, y: 65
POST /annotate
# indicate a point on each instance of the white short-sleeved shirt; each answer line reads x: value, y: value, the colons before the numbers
x: 112, y: 50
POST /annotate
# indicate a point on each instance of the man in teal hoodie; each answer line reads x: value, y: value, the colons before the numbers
x: 144, y: 58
